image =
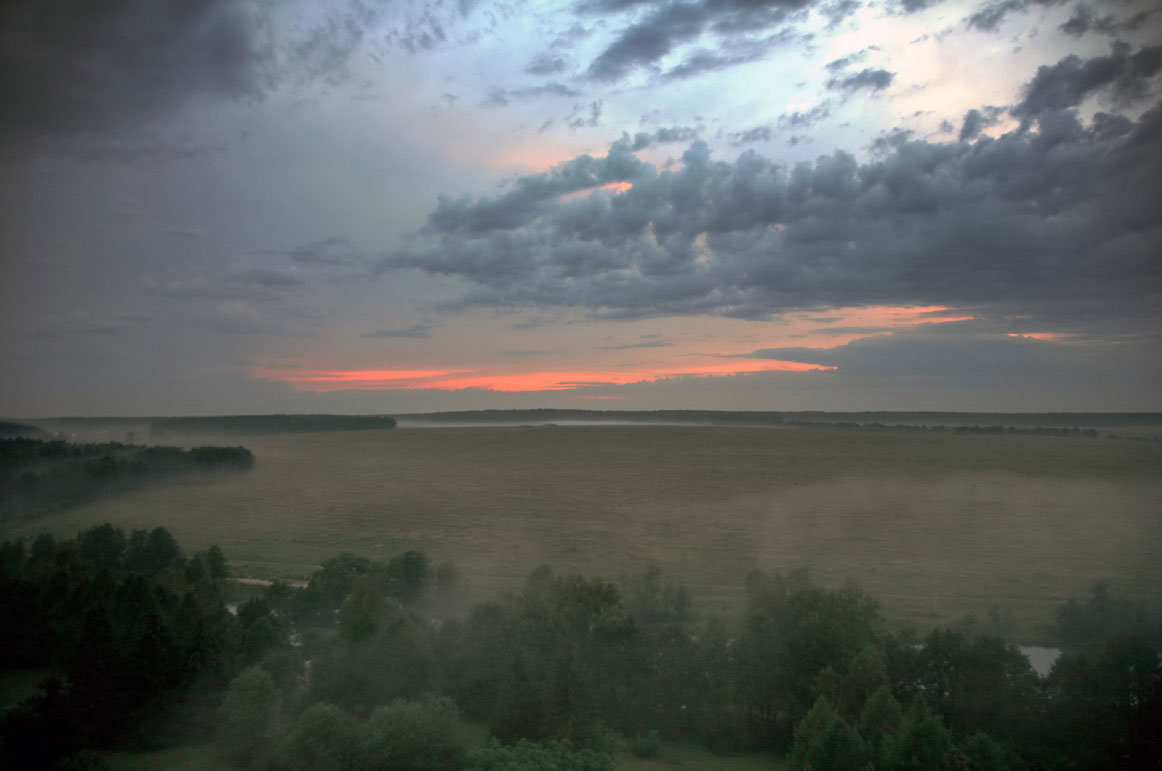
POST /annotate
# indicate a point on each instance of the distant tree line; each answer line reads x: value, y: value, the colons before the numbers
x: 38, y: 476
x: 1054, y: 419
x: 883, y: 420
x: 10, y: 429
x: 1090, y: 433
x: 366, y: 667
x: 693, y: 417
x: 266, y: 424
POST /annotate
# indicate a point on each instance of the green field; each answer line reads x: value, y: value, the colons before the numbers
x: 933, y: 525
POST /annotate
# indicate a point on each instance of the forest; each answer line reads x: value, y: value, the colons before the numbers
x: 38, y: 476
x: 894, y: 419
x: 266, y: 424
x: 378, y: 664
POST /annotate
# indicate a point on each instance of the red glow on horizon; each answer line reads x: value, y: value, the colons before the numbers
x: 368, y: 375
x: 458, y: 379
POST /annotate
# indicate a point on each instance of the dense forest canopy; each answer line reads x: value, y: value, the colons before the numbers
x: 376, y: 664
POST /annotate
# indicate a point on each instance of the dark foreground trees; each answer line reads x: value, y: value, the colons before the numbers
x: 135, y: 637
x: 365, y: 668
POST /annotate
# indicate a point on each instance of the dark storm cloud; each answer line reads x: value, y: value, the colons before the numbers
x: 534, y: 195
x: 71, y: 66
x: 1085, y: 20
x: 990, y: 16
x: 75, y: 69
x: 646, y: 41
x: 976, y: 121
x: 1060, y: 219
x: 872, y: 79
x: 1126, y: 76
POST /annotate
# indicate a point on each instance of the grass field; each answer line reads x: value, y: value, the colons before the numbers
x: 933, y: 525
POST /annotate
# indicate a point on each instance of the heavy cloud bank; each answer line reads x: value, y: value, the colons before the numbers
x: 74, y: 70
x: 1056, y: 220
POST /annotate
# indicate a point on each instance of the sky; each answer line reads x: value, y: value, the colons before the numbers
x: 229, y: 206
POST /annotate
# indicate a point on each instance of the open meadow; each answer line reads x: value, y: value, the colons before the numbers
x: 932, y: 525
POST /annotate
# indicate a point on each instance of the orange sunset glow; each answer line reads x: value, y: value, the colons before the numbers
x: 1049, y: 336
x: 459, y: 379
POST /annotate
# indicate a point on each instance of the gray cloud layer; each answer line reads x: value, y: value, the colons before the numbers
x: 77, y: 69
x: 1085, y: 20
x: 870, y: 79
x: 1060, y: 221
x: 68, y: 66
x: 1126, y: 76
x: 666, y: 25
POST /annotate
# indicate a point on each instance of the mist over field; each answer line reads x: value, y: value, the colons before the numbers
x: 934, y: 526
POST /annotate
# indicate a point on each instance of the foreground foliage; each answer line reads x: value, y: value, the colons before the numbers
x: 355, y: 672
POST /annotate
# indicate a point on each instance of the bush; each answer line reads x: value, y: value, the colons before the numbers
x: 648, y: 746
x: 526, y: 756
x: 418, y: 735
x: 249, y: 716
x: 323, y: 738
